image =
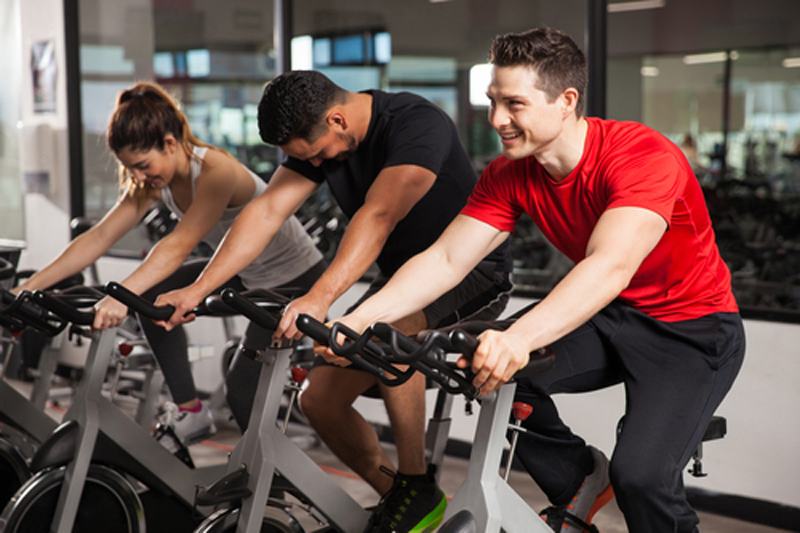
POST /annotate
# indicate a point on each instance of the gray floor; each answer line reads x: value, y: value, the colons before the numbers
x: 608, y: 520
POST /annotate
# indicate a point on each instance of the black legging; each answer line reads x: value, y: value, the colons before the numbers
x: 171, y: 348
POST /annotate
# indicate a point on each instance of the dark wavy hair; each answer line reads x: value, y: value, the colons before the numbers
x: 552, y: 54
x: 294, y: 105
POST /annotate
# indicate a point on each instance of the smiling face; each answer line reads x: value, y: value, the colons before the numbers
x: 154, y: 168
x: 527, y: 120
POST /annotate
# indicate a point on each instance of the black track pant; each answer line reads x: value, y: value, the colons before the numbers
x: 675, y: 375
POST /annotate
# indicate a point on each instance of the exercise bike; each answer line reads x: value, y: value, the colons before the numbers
x: 100, y: 471
x: 270, y: 480
x: 23, y: 425
x: 484, y: 503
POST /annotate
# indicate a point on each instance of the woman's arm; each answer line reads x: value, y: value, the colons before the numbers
x: 90, y: 245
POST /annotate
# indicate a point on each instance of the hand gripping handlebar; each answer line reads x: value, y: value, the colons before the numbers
x: 425, y: 353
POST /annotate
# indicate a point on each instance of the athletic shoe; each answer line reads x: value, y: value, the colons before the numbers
x: 189, y: 427
x: 594, y: 493
x: 415, y: 504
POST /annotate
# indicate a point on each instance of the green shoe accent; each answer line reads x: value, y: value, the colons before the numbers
x: 433, y: 519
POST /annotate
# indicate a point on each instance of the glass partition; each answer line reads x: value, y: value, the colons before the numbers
x: 12, y: 215
x: 214, y: 57
x: 751, y: 171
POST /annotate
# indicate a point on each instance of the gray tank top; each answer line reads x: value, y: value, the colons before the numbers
x: 290, y: 253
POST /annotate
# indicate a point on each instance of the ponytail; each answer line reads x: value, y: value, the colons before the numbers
x: 143, y: 116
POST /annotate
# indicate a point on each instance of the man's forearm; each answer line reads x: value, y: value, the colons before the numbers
x: 359, y: 248
x: 243, y: 243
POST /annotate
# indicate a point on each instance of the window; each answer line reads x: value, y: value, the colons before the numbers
x: 751, y: 172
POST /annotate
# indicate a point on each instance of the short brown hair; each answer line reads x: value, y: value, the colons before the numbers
x: 552, y: 54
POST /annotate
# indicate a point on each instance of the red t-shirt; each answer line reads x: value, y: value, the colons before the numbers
x: 623, y: 164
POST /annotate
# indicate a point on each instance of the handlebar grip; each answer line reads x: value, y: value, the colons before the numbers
x: 7, y: 269
x: 388, y: 334
x: 464, y: 342
x: 63, y: 309
x: 322, y: 334
x: 18, y: 312
x: 313, y: 328
x: 137, y: 303
x: 541, y: 360
x: 263, y: 318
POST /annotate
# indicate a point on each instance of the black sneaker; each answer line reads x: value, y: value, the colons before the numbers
x: 415, y: 504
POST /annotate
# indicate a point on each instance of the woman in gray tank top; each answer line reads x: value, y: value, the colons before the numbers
x: 205, y: 187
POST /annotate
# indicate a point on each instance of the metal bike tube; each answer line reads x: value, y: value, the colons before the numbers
x: 84, y: 410
x: 493, y: 503
x: 259, y: 451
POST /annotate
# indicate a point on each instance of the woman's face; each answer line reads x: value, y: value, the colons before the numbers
x: 155, y: 168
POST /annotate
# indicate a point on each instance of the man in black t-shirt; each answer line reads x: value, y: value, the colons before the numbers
x: 396, y: 168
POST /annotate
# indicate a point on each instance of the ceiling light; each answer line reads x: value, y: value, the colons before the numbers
x: 649, y: 72
x: 619, y: 7
x: 714, y: 57
x: 791, y: 62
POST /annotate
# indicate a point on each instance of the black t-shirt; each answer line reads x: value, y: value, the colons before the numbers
x: 405, y: 129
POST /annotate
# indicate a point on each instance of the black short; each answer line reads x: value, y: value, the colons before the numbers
x: 481, y: 295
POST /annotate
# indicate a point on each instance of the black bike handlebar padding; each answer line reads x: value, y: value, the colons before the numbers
x: 324, y: 336
x: 464, y: 342
x: 137, y: 303
x: 63, y: 309
x: 7, y: 269
x: 313, y: 328
x: 266, y: 299
x: 540, y: 361
x: 261, y: 317
x: 18, y: 313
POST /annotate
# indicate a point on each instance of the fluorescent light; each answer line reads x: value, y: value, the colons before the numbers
x: 620, y: 7
x: 713, y: 57
x: 791, y: 62
x: 479, y: 78
x: 649, y: 72
x: 302, y: 54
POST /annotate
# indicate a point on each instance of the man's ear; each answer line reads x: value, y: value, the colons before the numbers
x: 569, y: 99
x: 337, y: 120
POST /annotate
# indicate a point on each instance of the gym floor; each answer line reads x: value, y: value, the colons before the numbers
x: 608, y: 520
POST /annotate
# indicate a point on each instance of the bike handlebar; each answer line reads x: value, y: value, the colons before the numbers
x: 68, y: 303
x: 137, y: 303
x: 425, y: 353
x: 18, y: 312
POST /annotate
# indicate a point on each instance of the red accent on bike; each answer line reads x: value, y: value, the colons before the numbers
x: 124, y: 349
x: 299, y: 374
x: 521, y: 410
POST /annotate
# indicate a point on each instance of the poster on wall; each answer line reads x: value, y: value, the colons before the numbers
x: 43, y: 69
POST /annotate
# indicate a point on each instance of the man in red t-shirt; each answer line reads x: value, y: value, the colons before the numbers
x: 648, y: 302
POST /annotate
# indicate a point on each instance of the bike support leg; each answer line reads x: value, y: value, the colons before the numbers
x: 491, y: 501
x: 257, y: 454
x: 85, y: 410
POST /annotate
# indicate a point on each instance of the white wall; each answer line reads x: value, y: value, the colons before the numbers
x: 43, y: 138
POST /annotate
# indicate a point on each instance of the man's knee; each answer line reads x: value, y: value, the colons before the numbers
x: 330, y: 391
x: 642, y: 476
